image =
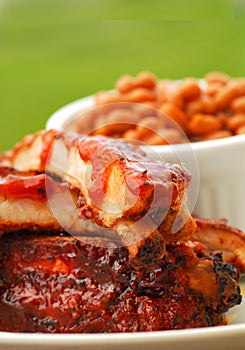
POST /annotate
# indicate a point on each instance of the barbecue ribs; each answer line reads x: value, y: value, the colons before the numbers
x: 95, y: 237
x: 58, y: 283
x: 95, y: 184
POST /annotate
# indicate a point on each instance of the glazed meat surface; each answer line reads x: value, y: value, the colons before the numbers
x: 58, y: 283
x: 218, y: 237
x: 95, y: 237
x: 64, y: 181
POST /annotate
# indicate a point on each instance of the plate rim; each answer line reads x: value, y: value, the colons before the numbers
x: 173, y: 336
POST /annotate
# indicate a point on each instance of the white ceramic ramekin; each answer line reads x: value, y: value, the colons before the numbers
x: 221, y: 165
x: 218, y: 168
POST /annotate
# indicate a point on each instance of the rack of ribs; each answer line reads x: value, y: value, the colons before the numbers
x: 59, y: 283
x: 95, y: 237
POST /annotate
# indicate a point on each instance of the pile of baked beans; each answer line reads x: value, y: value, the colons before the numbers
x: 200, y: 109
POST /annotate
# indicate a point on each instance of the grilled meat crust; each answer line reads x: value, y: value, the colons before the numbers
x: 94, y: 184
x: 218, y: 237
x: 94, y: 237
x: 57, y: 283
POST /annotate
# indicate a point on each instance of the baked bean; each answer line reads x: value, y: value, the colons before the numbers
x: 164, y: 137
x: 194, y: 107
x: 139, y: 95
x: 117, y: 121
x: 238, y: 104
x: 212, y: 108
x: 143, y: 135
x: 203, y: 124
x: 144, y: 109
x: 225, y: 96
x: 125, y: 84
x: 146, y: 80
x: 154, y: 140
x: 240, y: 130
x: 203, y: 105
x: 190, y: 89
x: 171, y: 135
x: 239, y: 85
x: 217, y: 135
x: 174, y: 113
x: 209, y: 105
x: 235, y: 121
x: 147, y: 125
x: 115, y: 130
x: 123, y: 116
x: 152, y: 104
x: 217, y: 78
x: 212, y: 90
x: 223, y: 118
x: 169, y: 92
x: 130, y: 134
x: 102, y: 98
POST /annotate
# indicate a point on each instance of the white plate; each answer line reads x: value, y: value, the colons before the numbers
x: 227, y: 337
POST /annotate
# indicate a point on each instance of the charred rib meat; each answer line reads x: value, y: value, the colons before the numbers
x: 94, y: 237
x: 58, y: 283
x: 111, y: 185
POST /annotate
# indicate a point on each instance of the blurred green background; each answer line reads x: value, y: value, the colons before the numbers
x: 55, y: 51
